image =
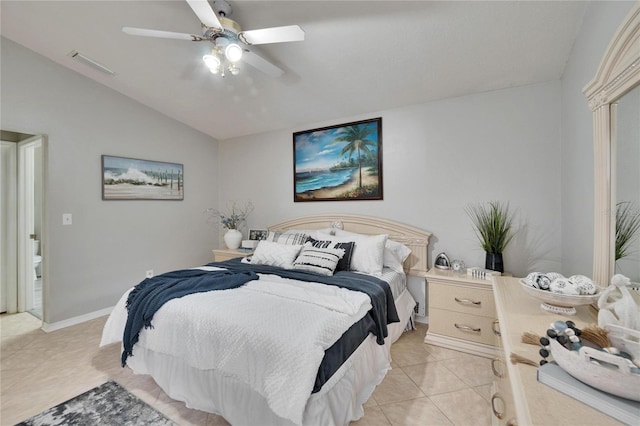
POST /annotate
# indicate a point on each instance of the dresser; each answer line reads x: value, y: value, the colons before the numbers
x: 518, y: 398
x: 462, y: 313
x: 222, y: 254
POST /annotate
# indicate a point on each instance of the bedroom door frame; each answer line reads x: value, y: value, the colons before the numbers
x: 27, y: 178
x: 8, y: 223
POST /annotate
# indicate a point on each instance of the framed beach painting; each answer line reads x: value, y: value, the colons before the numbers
x: 134, y: 179
x: 338, y: 163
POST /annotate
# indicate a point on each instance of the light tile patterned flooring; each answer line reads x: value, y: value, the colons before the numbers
x: 428, y: 385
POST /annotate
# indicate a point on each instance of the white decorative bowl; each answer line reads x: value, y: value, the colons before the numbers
x: 612, y: 374
x: 559, y: 303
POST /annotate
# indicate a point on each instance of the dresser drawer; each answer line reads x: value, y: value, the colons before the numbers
x: 462, y: 326
x: 461, y: 299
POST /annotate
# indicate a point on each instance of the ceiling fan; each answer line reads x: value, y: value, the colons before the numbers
x: 226, y: 36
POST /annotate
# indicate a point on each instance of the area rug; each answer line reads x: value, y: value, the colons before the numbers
x: 107, y: 404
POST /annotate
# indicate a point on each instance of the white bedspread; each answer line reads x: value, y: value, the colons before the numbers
x: 248, y: 333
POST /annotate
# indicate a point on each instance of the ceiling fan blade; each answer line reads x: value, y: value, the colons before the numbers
x: 273, y: 35
x: 205, y: 13
x: 261, y: 64
x: 161, y: 34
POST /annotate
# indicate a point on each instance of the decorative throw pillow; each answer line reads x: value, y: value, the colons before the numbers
x: 275, y: 254
x: 344, y: 264
x: 318, y: 260
x: 395, y: 253
x: 287, y: 237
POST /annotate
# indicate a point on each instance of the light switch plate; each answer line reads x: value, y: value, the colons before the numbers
x: 66, y: 219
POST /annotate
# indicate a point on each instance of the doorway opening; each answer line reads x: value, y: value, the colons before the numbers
x: 21, y: 219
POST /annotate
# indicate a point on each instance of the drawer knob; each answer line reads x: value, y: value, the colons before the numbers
x: 467, y: 328
x: 468, y: 301
x: 499, y: 414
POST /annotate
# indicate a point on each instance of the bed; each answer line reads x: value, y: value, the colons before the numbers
x: 282, y: 349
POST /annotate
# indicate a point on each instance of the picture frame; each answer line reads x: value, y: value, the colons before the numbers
x: 338, y: 163
x: 125, y: 178
x: 258, y: 234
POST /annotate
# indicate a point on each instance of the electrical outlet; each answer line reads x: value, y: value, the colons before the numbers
x: 67, y: 219
x: 150, y: 273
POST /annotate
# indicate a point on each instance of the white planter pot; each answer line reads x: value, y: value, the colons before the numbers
x: 233, y: 238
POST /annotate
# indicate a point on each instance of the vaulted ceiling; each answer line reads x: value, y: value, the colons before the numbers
x: 358, y: 57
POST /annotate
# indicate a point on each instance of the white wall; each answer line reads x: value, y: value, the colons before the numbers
x: 437, y: 157
x: 111, y: 244
x: 530, y: 145
x: 600, y: 23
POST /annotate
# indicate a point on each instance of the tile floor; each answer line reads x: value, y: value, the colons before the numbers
x: 427, y: 386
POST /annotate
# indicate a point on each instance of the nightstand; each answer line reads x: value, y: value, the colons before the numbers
x: 222, y: 254
x: 462, y: 313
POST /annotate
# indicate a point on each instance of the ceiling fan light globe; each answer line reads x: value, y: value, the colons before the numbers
x: 211, y: 61
x: 233, y: 52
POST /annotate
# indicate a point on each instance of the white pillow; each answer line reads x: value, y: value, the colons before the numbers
x: 368, y: 252
x: 275, y: 254
x: 318, y: 260
x: 395, y: 253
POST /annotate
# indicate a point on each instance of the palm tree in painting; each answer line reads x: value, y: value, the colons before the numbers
x: 356, y: 141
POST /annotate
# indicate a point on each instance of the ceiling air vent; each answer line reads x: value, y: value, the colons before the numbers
x: 88, y: 61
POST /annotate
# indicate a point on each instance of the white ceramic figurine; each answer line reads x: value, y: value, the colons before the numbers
x: 617, y: 305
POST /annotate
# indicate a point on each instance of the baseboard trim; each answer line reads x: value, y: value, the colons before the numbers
x: 421, y: 319
x: 75, y: 320
x: 461, y: 345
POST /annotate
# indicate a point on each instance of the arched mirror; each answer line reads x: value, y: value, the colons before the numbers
x: 614, y: 97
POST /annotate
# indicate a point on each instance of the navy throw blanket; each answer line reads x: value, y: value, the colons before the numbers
x: 147, y: 297
x: 383, y: 311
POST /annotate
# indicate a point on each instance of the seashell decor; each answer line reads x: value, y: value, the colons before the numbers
x: 560, y: 295
x: 556, y: 283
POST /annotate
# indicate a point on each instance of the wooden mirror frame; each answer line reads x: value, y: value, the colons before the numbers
x: 619, y: 72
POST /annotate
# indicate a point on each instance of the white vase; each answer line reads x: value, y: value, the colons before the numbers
x: 233, y: 238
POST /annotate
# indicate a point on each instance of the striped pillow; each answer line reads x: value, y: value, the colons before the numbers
x: 321, y: 261
x: 344, y: 264
x: 287, y: 237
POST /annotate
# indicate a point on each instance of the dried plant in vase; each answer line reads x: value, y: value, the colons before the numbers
x: 492, y: 224
x: 231, y: 220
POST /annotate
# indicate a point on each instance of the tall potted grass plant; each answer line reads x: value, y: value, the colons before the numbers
x: 492, y: 223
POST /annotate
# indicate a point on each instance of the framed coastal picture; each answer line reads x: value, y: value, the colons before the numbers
x: 134, y: 179
x: 338, y: 163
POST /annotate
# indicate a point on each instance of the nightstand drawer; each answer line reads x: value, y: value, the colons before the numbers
x: 462, y: 326
x: 466, y: 300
